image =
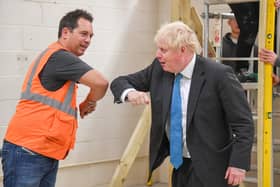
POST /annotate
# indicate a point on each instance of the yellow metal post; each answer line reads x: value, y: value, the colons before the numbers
x: 265, y: 168
x: 269, y: 44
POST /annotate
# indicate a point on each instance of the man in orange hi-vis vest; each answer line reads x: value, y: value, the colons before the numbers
x: 43, y: 128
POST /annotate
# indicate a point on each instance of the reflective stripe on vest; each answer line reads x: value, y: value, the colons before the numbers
x: 64, y: 106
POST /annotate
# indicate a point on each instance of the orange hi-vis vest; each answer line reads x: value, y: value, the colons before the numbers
x: 45, y: 121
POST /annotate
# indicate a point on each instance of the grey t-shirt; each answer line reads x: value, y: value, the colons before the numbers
x: 61, y: 67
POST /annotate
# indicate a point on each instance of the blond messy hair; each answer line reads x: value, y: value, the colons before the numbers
x: 176, y: 35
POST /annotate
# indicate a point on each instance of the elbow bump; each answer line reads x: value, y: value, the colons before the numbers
x: 99, y: 85
x: 103, y: 84
x: 106, y: 83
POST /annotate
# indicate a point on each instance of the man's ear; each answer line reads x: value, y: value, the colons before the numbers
x: 65, y: 32
x: 183, y: 49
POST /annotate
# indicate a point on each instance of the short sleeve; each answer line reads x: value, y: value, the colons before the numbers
x: 61, y: 67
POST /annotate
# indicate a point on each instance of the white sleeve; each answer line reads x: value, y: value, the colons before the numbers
x: 124, y: 94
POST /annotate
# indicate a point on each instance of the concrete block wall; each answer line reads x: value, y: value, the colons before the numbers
x: 123, y: 43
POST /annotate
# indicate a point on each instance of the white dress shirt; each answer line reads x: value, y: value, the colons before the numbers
x: 185, y: 85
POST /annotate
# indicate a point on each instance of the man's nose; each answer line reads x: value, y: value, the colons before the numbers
x: 88, y: 38
x: 158, y: 54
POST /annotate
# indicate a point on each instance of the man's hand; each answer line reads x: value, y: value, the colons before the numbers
x: 87, y: 107
x: 275, y: 79
x: 235, y: 175
x: 277, y: 4
x: 138, y: 98
x: 267, y: 56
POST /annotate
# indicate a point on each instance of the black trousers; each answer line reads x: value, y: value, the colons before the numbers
x: 185, y: 175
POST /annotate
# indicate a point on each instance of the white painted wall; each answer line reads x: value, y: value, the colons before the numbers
x: 123, y: 43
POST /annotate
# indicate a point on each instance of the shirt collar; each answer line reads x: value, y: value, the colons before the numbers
x: 188, y: 71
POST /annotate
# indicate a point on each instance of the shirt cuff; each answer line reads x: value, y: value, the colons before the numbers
x: 125, y: 92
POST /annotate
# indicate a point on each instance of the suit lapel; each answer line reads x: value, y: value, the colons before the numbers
x: 197, y: 83
x: 166, y: 94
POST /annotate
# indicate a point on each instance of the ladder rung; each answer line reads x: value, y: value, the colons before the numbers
x: 218, y: 15
x: 234, y: 58
x: 250, y: 85
x: 212, y: 2
x: 251, y: 180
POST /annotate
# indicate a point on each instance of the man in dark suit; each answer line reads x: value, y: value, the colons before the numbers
x: 217, y: 128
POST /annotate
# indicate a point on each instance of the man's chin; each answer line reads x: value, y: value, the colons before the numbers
x: 80, y: 53
x: 166, y: 69
x: 163, y: 67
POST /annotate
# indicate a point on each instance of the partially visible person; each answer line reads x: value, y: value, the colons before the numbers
x: 277, y: 4
x: 229, y: 43
x: 247, y: 16
x: 198, y: 103
x: 229, y: 49
x: 43, y: 128
x: 270, y: 57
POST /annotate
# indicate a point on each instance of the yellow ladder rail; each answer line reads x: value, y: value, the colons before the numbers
x: 265, y: 167
x: 267, y: 130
